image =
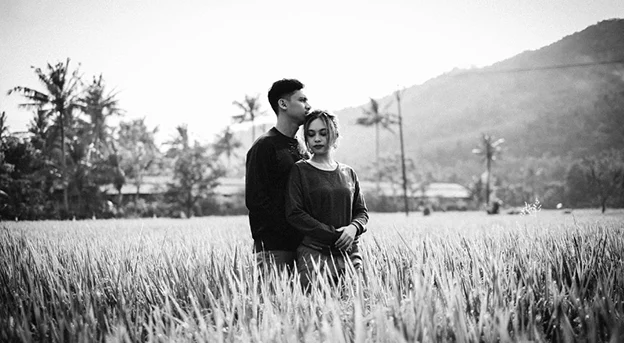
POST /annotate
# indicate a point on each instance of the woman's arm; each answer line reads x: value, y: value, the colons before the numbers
x: 359, y: 218
x: 359, y: 212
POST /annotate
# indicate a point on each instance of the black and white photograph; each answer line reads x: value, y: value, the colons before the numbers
x: 311, y: 171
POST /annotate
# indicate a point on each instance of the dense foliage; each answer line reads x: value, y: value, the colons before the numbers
x: 64, y: 166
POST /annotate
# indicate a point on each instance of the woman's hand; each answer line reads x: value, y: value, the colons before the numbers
x: 346, y: 238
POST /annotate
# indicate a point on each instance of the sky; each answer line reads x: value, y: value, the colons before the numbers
x: 185, y: 61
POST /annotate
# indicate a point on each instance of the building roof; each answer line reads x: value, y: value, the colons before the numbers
x: 236, y: 186
x: 230, y: 186
x: 445, y: 190
x: 158, y: 185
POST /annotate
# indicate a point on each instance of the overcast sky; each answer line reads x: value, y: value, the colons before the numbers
x: 185, y: 61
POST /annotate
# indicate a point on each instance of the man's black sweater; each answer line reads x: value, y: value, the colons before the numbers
x: 268, y: 165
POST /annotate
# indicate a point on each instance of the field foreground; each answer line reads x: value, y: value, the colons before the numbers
x: 464, y: 277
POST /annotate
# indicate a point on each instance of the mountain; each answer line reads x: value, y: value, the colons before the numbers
x: 565, y: 99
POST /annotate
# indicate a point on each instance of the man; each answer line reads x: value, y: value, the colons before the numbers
x: 268, y: 165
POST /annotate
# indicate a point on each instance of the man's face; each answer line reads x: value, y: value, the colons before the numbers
x: 297, y: 107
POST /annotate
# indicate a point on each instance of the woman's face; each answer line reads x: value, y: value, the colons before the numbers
x: 317, y: 137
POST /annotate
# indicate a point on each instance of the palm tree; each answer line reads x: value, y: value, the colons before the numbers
x: 489, y: 150
x: 195, y: 173
x: 4, y: 129
x: 99, y: 105
x: 373, y: 116
x: 227, y: 143
x: 251, y: 110
x: 59, y: 100
x: 39, y: 128
x: 119, y: 176
x: 400, y: 118
x: 137, y: 150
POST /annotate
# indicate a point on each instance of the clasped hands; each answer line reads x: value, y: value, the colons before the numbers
x: 347, y: 237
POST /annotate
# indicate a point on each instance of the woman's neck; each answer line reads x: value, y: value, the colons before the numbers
x: 323, y: 159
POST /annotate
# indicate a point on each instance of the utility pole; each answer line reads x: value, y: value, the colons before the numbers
x: 398, y: 97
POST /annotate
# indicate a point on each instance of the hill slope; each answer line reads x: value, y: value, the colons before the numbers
x: 560, y: 100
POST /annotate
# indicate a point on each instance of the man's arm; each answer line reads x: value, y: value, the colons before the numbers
x: 257, y: 179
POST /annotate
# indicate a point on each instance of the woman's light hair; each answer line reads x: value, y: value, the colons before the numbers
x: 330, y: 121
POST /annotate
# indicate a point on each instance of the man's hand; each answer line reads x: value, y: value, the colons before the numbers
x: 346, y: 238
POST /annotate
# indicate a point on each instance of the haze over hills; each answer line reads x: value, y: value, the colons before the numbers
x: 565, y: 99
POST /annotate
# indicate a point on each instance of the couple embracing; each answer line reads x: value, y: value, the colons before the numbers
x: 305, y: 208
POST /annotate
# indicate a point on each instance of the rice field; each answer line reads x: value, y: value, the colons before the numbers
x: 448, y: 277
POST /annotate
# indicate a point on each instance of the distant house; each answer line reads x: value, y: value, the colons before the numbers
x: 443, y: 196
x: 150, y: 187
x: 230, y: 189
x: 446, y: 196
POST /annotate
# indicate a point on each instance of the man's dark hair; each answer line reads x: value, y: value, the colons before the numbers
x: 282, y: 89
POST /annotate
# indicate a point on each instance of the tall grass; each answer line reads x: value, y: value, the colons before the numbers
x: 463, y: 277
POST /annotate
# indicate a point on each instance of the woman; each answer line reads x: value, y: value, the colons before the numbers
x: 324, y: 202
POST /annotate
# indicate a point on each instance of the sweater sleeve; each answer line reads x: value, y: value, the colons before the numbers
x: 360, y: 212
x: 257, y: 197
x: 298, y: 217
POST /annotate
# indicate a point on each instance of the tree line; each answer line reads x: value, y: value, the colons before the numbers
x: 60, y: 167
x: 593, y: 180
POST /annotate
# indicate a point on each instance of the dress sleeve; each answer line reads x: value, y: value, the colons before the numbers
x: 297, y: 214
x: 360, y: 212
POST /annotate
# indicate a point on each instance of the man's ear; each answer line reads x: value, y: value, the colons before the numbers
x: 282, y: 103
